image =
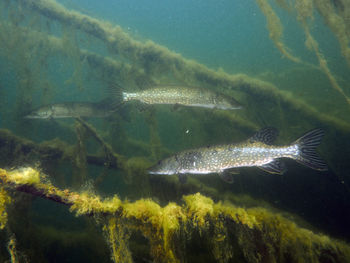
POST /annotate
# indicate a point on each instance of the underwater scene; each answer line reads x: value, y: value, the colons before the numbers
x: 174, y: 131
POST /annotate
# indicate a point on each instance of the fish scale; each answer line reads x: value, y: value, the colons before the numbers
x: 256, y: 151
x: 181, y: 95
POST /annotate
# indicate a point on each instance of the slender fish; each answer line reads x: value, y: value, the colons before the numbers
x: 181, y: 95
x: 256, y: 151
x: 72, y: 110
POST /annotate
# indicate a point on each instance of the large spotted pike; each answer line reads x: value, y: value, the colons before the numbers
x: 180, y: 95
x: 256, y: 151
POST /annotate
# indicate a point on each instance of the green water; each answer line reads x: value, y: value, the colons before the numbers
x: 45, y: 60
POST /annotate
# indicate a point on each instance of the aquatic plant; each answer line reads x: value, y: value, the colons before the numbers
x: 260, y: 234
x: 275, y: 28
x: 4, y: 201
x: 11, y: 247
x: 335, y: 17
x: 173, y: 220
x: 153, y: 60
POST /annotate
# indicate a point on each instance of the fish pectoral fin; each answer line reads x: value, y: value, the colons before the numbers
x: 274, y: 167
x: 226, y: 176
x: 182, y: 178
x: 266, y: 135
x: 176, y: 107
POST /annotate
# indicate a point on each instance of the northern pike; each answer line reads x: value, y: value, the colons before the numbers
x: 256, y: 151
x: 181, y: 95
x: 71, y: 110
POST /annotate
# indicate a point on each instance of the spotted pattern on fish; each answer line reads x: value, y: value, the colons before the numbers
x: 179, y: 95
x: 216, y: 159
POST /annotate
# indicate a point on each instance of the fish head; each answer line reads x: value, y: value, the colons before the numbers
x: 40, y: 113
x: 167, y: 166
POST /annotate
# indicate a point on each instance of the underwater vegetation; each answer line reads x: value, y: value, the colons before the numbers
x: 335, y: 15
x: 96, y: 170
x: 247, y: 235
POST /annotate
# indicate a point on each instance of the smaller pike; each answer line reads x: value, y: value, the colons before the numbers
x: 72, y: 110
x: 181, y: 95
x: 257, y: 151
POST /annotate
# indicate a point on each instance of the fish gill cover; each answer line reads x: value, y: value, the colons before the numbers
x: 285, y: 62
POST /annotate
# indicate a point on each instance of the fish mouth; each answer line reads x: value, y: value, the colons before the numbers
x: 237, y: 107
x: 29, y: 116
x: 32, y: 117
x: 153, y: 170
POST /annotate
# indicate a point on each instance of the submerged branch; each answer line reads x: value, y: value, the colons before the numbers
x: 111, y: 158
x: 156, y: 61
x: 16, y: 149
x: 260, y: 235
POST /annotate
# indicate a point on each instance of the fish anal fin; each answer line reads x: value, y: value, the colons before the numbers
x: 266, y: 135
x: 274, y: 167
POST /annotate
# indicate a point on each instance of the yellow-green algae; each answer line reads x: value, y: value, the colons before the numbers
x: 275, y: 28
x: 118, y: 240
x: 261, y: 235
x: 217, y: 223
x: 12, y: 249
x: 4, y: 201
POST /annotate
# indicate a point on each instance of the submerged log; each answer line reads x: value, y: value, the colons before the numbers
x: 18, y: 151
x: 259, y: 235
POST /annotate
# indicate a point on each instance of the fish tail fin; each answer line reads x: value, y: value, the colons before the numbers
x: 307, y: 145
x: 116, y: 95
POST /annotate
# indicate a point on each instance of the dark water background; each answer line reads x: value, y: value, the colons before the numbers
x: 227, y: 35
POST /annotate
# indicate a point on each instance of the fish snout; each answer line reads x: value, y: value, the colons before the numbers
x: 154, y: 169
x: 162, y: 167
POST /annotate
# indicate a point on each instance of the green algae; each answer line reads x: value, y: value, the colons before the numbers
x: 305, y: 9
x: 4, y: 201
x: 259, y: 234
x: 228, y: 233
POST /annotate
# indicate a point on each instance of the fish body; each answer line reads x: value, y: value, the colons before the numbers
x: 71, y: 110
x: 180, y: 95
x: 256, y: 151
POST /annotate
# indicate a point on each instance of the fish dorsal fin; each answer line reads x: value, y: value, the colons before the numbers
x: 274, y: 167
x: 266, y: 135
